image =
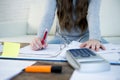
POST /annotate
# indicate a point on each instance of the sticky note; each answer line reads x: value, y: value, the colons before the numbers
x: 11, y: 49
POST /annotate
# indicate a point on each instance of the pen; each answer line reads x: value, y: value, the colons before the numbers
x: 44, y: 37
x: 44, y: 69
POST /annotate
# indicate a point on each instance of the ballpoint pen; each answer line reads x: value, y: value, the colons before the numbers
x: 44, y: 37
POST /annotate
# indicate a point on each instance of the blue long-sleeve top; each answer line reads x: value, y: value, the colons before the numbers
x: 93, y: 30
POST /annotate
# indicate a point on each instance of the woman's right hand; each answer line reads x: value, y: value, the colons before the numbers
x: 37, y: 45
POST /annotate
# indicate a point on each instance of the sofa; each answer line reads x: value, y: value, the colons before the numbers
x: 20, y: 20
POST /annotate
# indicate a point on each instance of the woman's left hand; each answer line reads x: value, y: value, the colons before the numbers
x: 92, y: 44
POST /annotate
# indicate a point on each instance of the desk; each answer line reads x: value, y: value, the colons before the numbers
x: 65, y: 75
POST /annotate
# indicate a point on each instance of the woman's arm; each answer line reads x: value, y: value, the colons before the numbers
x: 94, y: 27
x: 94, y: 19
x: 46, y: 23
x: 49, y: 14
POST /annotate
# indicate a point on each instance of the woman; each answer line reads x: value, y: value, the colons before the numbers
x: 78, y: 21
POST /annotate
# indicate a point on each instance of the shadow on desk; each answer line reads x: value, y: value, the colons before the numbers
x: 65, y: 75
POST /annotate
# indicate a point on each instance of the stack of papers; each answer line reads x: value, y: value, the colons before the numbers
x: 54, y: 52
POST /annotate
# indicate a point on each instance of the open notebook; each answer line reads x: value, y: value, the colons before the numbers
x: 52, y: 52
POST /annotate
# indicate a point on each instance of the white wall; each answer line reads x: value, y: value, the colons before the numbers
x: 13, y: 10
x: 13, y: 17
x: 110, y: 17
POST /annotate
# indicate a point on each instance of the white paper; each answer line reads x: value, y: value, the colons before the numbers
x: 113, y: 74
x: 10, y: 68
x: 112, y: 52
x: 52, y: 52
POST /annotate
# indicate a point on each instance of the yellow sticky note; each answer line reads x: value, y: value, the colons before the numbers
x: 10, y: 49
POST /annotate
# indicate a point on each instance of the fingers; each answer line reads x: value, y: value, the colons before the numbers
x: 88, y: 45
x: 97, y: 47
x: 93, y: 45
x: 37, y: 45
x: 103, y: 47
x: 83, y: 45
x: 45, y: 45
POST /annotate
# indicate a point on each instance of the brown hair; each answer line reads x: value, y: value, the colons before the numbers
x: 65, y: 14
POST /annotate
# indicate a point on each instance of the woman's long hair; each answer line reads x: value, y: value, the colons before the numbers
x: 65, y: 14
